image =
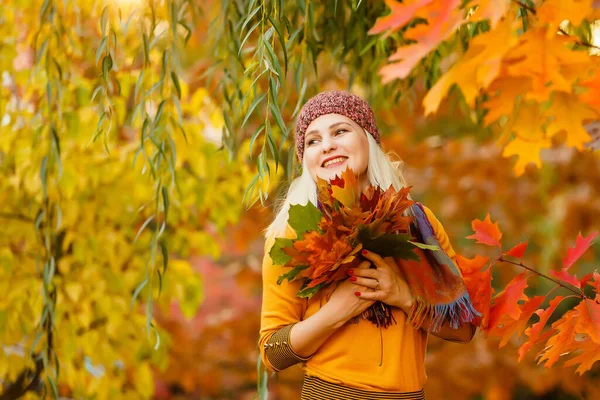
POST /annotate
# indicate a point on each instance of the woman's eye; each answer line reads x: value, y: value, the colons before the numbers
x: 340, y: 131
x: 311, y: 142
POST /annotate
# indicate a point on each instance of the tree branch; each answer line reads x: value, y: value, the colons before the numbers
x: 525, y: 6
x: 579, y: 42
x: 579, y: 294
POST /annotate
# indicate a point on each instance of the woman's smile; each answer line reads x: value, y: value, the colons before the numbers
x: 334, y: 162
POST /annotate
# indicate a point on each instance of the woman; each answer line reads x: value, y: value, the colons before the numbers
x: 343, y: 353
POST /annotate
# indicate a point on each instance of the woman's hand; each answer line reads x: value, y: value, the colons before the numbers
x: 344, y: 304
x: 386, y: 281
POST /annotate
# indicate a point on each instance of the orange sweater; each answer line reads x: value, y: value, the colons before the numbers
x: 351, y: 356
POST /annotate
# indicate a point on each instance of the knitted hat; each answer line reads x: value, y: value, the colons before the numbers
x: 335, y: 102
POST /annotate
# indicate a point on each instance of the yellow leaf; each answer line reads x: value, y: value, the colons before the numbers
x: 569, y: 115
x: 545, y: 60
x: 477, y: 69
x: 554, y: 12
x: 528, y: 123
x: 506, y: 90
x: 527, y: 152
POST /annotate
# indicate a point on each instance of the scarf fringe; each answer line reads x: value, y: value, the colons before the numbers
x: 458, y: 312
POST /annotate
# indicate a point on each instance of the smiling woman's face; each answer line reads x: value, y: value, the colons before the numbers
x: 333, y: 142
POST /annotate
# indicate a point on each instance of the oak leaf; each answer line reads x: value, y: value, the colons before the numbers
x: 486, y: 232
x: 518, y: 251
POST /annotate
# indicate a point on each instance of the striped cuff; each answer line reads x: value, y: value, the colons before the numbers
x: 279, y: 352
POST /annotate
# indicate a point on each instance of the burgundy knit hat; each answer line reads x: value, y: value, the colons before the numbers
x: 335, y: 102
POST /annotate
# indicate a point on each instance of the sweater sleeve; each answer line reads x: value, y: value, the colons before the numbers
x: 444, y: 241
x: 281, y: 310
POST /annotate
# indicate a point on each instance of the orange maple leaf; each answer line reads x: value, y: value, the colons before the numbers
x: 506, y: 302
x: 479, y: 285
x: 443, y: 18
x: 400, y: 14
x: 573, y: 254
x: 486, y: 232
x: 535, y: 331
x: 518, y: 250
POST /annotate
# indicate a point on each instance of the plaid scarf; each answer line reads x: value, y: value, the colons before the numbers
x: 435, y: 281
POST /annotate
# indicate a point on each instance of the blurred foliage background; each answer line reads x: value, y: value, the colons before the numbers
x: 130, y: 133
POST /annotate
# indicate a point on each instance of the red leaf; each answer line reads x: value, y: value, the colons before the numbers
x: 562, y: 342
x: 479, y: 285
x: 486, y: 232
x: 506, y: 302
x: 518, y: 250
x: 573, y: 254
x: 581, y: 245
x: 535, y: 330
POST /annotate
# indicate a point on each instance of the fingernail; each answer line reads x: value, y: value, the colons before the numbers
x: 364, y: 252
x: 357, y: 294
x: 353, y: 278
x: 350, y: 271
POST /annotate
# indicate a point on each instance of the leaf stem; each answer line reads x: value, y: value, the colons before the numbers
x: 525, y: 6
x: 579, y: 42
x: 579, y: 294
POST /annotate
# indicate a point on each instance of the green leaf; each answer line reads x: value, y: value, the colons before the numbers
x: 305, y: 292
x: 290, y: 275
x: 137, y: 291
x: 388, y: 244
x: 165, y: 256
x: 255, y: 135
x: 106, y: 66
x: 176, y: 83
x: 256, y: 101
x: 101, y: 48
x: 281, y: 42
x: 150, y: 218
x: 159, y: 112
x: 276, y: 253
x: 304, y: 218
x: 103, y: 19
x: 165, y: 195
x: 424, y: 246
x: 44, y: 175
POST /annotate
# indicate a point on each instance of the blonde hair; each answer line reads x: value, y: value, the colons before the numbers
x: 383, y: 170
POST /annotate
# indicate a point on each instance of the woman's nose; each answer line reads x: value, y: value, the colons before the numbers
x: 328, y: 145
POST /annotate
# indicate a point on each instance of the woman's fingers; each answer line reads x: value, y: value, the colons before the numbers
x: 375, y: 258
x: 376, y: 295
x: 366, y: 282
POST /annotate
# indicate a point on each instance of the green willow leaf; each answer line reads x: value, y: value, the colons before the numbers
x: 176, y: 84
x: 101, y: 48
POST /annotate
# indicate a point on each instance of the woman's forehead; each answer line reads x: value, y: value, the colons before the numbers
x: 325, y: 121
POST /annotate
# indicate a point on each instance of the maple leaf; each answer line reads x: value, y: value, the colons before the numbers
x: 554, y: 12
x: 503, y: 94
x: 569, y: 115
x: 486, y: 232
x: 477, y: 69
x: 443, y: 18
x: 590, y: 353
x: 506, y: 302
x: 348, y: 193
x: 592, y: 96
x: 573, y: 254
x: 518, y: 250
x: 527, y: 152
x: 562, y: 342
x: 542, y: 56
x: 493, y: 10
x: 581, y: 246
x: 506, y: 326
x: 588, y: 320
x: 478, y: 284
x: 400, y: 14
x: 534, y: 331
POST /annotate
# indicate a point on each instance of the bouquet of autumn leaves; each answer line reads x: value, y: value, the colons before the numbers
x: 329, y: 237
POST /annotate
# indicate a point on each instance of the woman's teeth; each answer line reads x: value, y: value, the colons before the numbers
x: 337, y: 160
